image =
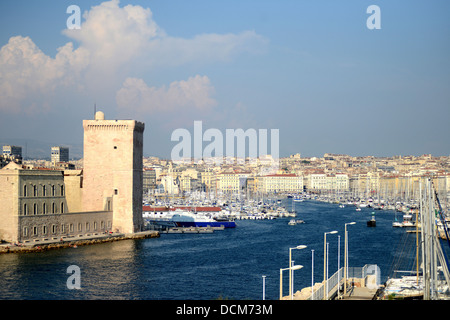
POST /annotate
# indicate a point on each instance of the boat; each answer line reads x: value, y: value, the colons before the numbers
x: 358, y: 209
x: 185, y: 219
x: 294, y: 222
x: 372, y: 222
x: 408, y: 221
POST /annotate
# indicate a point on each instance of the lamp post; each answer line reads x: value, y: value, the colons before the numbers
x: 325, y: 263
x: 346, y: 256
x: 290, y: 264
x: 312, y: 274
x: 264, y: 287
x: 297, y: 267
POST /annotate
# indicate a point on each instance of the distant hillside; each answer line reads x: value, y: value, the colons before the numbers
x: 35, y: 149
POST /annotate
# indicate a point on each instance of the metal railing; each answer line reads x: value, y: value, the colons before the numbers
x: 336, y: 280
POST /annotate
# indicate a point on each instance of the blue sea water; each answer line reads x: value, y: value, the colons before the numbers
x: 228, y: 264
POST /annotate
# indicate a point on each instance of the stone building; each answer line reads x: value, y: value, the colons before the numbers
x: 39, y: 205
x: 112, y: 170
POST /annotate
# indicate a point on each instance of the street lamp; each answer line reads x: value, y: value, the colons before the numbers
x: 346, y: 257
x: 290, y: 264
x: 297, y: 267
x: 325, y: 263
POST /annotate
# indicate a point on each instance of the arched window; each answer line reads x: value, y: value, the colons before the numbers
x: 44, y: 208
x: 24, y: 190
x: 53, y: 208
x: 44, y: 190
x: 35, y: 209
x: 35, y: 191
x: 25, y: 209
x: 62, y: 207
x: 53, y: 190
x: 62, y: 190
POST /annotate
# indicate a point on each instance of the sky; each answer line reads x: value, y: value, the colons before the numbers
x: 311, y: 69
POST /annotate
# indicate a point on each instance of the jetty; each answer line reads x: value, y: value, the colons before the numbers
x: 73, y: 241
x: 361, y: 284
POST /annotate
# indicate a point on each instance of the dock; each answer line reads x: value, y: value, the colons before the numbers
x: 74, y: 241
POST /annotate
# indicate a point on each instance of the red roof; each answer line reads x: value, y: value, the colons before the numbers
x: 191, y: 208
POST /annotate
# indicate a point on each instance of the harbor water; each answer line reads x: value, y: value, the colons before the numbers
x: 227, y: 264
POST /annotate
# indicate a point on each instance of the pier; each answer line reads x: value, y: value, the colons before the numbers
x: 361, y: 285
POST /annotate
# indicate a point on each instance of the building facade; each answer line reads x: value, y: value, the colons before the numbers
x: 40, y: 205
x: 113, y: 170
x: 59, y: 154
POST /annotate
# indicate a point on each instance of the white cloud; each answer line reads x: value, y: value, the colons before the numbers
x: 28, y: 77
x: 193, y: 93
x: 113, y: 43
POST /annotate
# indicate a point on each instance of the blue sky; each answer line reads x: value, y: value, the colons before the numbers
x: 311, y: 69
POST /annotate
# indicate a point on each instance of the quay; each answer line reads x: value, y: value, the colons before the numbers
x: 73, y: 241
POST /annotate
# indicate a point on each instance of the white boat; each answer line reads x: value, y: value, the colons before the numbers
x: 358, y: 209
x: 397, y: 224
x: 408, y: 221
x: 293, y: 222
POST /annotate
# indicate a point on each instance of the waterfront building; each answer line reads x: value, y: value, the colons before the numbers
x: 113, y: 170
x: 280, y: 183
x: 45, y: 204
x: 34, y: 205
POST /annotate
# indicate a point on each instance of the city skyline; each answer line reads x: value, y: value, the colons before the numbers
x: 315, y: 71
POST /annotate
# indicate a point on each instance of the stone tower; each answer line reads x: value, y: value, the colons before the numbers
x: 112, y: 170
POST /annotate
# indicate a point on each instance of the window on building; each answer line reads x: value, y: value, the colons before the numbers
x: 71, y: 227
x: 35, y: 193
x: 62, y: 207
x: 35, y: 209
x: 44, y: 229
x: 88, y: 226
x: 44, y: 208
x: 63, y: 228
x: 53, y: 190
x: 95, y: 225
x: 35, y: 231
x: 25, y: 209
x: 25, y: 232
x: 44, y: 190
x: 80, y: 227
x: 53, y: 207
x: 62, y: 190
x: 25, y: 190
x: 54, y: 229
